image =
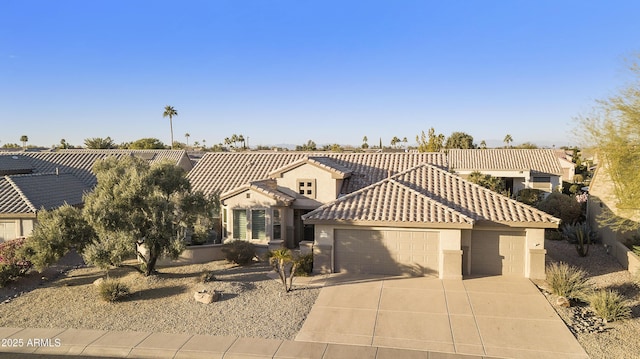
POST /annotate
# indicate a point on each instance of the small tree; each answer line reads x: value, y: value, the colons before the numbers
x: 430, y: 143
x: 487, y: 181
x: 137, y: 208
x: 99, y: 143
x: 285, y: 263
x: 460, y: 140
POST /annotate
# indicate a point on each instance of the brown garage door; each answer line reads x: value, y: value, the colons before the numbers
x: 387, y: 252
x: 498, y: 253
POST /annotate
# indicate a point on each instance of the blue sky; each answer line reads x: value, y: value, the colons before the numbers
x: 289, y: 71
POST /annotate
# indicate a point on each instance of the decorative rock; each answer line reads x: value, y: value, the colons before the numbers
x: 563, y: 302
x: 98, y: 281
x: 205, y: 297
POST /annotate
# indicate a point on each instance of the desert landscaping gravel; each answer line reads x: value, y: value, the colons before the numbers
x: 251, y: 304
x: 619, y: 339
x: 254, y: 305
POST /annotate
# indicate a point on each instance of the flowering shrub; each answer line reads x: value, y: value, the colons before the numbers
x: 582, y: 197
x: 11, y: 264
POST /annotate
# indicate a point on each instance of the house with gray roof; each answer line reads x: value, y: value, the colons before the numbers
x: 383, y: 213
x: 520, y: 168
x: 32, y: 181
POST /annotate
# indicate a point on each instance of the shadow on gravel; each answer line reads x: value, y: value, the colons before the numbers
x: 157, y: 293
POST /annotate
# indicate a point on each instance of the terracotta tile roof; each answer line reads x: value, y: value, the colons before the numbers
x: 80, y: 162
x: 537, y: 160
x: 32, y: 192
x: 223, y: 172
x: 428, y: 194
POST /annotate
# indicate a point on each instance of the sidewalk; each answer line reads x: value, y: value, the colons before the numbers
x: 34, y: 343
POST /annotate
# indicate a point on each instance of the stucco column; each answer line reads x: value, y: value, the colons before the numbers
x: 535, y: 254
x: 323, y: 250
x: 450, y: 261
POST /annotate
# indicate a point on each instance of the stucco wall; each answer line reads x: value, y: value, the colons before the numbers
x: 325, y: 185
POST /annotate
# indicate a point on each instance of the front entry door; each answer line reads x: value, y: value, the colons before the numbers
x: 302, y: 232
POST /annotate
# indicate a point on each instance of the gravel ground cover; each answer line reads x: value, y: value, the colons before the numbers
x: 620, y: 339
x: 251, y: 304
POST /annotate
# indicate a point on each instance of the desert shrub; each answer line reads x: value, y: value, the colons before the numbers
x: 609, y: 305
x: 568, y: 281
x: 206, y: 277
x: 8, y: 272
x: 562, y: 206
x: 112, y: 290
x: 239, y: 252
x: 530, y: 196
x: 305, y: 265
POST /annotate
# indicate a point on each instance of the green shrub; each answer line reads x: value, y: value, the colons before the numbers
x: 530, y: 196
x: 239, y: 252
x: 568, y: 281
x: 113, y: 290
x: 562, y: 206
x: 305, y: 265
x: 8, y: 272
x: 609, y: 305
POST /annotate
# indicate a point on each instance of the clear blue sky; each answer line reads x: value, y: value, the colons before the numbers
x: 289, y: 71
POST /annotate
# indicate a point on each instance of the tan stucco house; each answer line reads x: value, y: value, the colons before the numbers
x: 384, y: 213
x: 520, y: 168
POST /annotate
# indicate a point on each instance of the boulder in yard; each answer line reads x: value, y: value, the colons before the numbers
x: 563, y: 302
x: 205, y: 297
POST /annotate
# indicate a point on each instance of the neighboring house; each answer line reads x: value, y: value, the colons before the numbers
x: 387, y: 213
x: 566, y: 165
x: 520, y: 168
x: 23, y: 196
x: 35, y: 180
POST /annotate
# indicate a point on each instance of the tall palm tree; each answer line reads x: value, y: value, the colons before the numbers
x: 169, y: 111
x: 24, y: 139
x: 507, y: 139
x: 187, y: 135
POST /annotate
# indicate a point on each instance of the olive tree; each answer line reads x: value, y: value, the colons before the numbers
x: 140, y: 209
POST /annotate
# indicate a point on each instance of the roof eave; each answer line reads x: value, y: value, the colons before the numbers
x: 425, y: 225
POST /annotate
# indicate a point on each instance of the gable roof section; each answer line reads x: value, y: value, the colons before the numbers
x: 266, y: 187
x: 429, y: 195
x: 222, y: 172
x: 328, y: 164
x: 22, y: 194
x: 80, y: 162
x: 505, y: 159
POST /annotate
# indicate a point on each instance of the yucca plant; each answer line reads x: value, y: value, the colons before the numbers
x: 568, y: 281
x: 609, y: 305
x: 283, y: 261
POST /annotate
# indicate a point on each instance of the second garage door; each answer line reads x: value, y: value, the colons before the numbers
x: 498, y: 253
x: 387, y: 252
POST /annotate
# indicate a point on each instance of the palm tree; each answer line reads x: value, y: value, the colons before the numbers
x: 364, y: 142
x: 24, y: 139
x: 507, y: 140
x: 187, y: 135
x: 169, y: 111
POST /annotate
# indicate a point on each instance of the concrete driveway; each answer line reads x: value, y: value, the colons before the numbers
x: 489, y: 316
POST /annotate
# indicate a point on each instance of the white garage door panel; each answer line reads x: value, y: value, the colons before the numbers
x: 498, y: 253
x: 386, y: 252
